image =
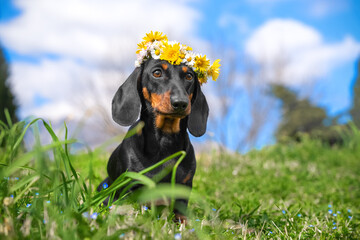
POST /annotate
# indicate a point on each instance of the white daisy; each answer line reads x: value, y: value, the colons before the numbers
x: 148, y: 45
x: 189, y: 59
x: 155, y: 50
x: 137, y: 63
x: 143, y: 54
x: 173, y: 43
x: 155, y: 53
x: 184, y: 48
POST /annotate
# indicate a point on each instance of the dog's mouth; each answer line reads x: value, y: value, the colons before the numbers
x: 168, y: 122
x: 172, y: 115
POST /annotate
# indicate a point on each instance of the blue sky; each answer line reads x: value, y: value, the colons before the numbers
x: 55, y: 49
x: 333, y: 19
x: 337, y: 18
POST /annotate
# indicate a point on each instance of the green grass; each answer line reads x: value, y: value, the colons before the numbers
x: 301, y: 190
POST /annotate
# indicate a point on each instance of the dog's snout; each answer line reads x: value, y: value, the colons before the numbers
x: 179, y: 104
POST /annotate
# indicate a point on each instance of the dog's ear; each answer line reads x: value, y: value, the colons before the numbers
x: 126, y: 102
x: 199, y: 113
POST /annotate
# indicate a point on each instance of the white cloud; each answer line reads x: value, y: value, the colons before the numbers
x: 294, y: 53
x: 67, y: 86
x: 90, y: 30
x: 86, y: 36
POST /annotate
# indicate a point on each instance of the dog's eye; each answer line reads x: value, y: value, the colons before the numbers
x: 157, y: 73
x: 189, y: 76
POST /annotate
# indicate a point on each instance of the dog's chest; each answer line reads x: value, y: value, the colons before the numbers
x: 162, y: 170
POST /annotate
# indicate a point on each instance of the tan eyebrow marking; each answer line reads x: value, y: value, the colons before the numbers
x: 185, y: 69
x: 165, y: 66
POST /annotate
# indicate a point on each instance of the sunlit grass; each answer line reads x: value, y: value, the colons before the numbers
x: 301, y: 190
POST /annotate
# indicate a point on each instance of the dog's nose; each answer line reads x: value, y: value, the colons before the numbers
x: 179, y: 104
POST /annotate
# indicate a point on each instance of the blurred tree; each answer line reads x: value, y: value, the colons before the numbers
x: 7, y: 100
x: 299, y: 116
x: 355, y: 109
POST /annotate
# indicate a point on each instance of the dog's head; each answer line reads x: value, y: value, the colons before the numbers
x: 170, y: 92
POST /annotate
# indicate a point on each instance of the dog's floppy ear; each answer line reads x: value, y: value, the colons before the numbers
x: 126, y: 102
x: 199, y: 113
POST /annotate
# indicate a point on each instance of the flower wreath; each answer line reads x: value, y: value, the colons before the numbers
x: 156, y: 45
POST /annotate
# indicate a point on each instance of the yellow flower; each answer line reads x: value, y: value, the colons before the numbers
x: 141, y: 46
x: 201, y: 63
x: 202, y: 80
x: 156, y: 36
x: 202, y: 77
x: 171, y: 53
x: 186, y: 48
x: 214, y: 70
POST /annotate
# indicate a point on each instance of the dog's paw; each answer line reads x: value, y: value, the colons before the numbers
x: 180, y: 218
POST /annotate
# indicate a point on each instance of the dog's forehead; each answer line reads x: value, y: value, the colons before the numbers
x: 152, y: 63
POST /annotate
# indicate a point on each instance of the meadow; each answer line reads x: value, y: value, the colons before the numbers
x: 297, y: 190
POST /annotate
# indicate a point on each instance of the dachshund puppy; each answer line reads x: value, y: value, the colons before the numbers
x: 169, y: 101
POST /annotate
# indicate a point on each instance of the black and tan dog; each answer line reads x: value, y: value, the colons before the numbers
x: 170, y: 102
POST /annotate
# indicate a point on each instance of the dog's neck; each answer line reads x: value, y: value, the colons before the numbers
x: 163, y: 134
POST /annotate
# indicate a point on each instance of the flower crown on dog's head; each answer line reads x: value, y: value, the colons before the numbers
x: 156, y: 45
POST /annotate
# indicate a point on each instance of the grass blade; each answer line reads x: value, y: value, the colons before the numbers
x: 163, y: 191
